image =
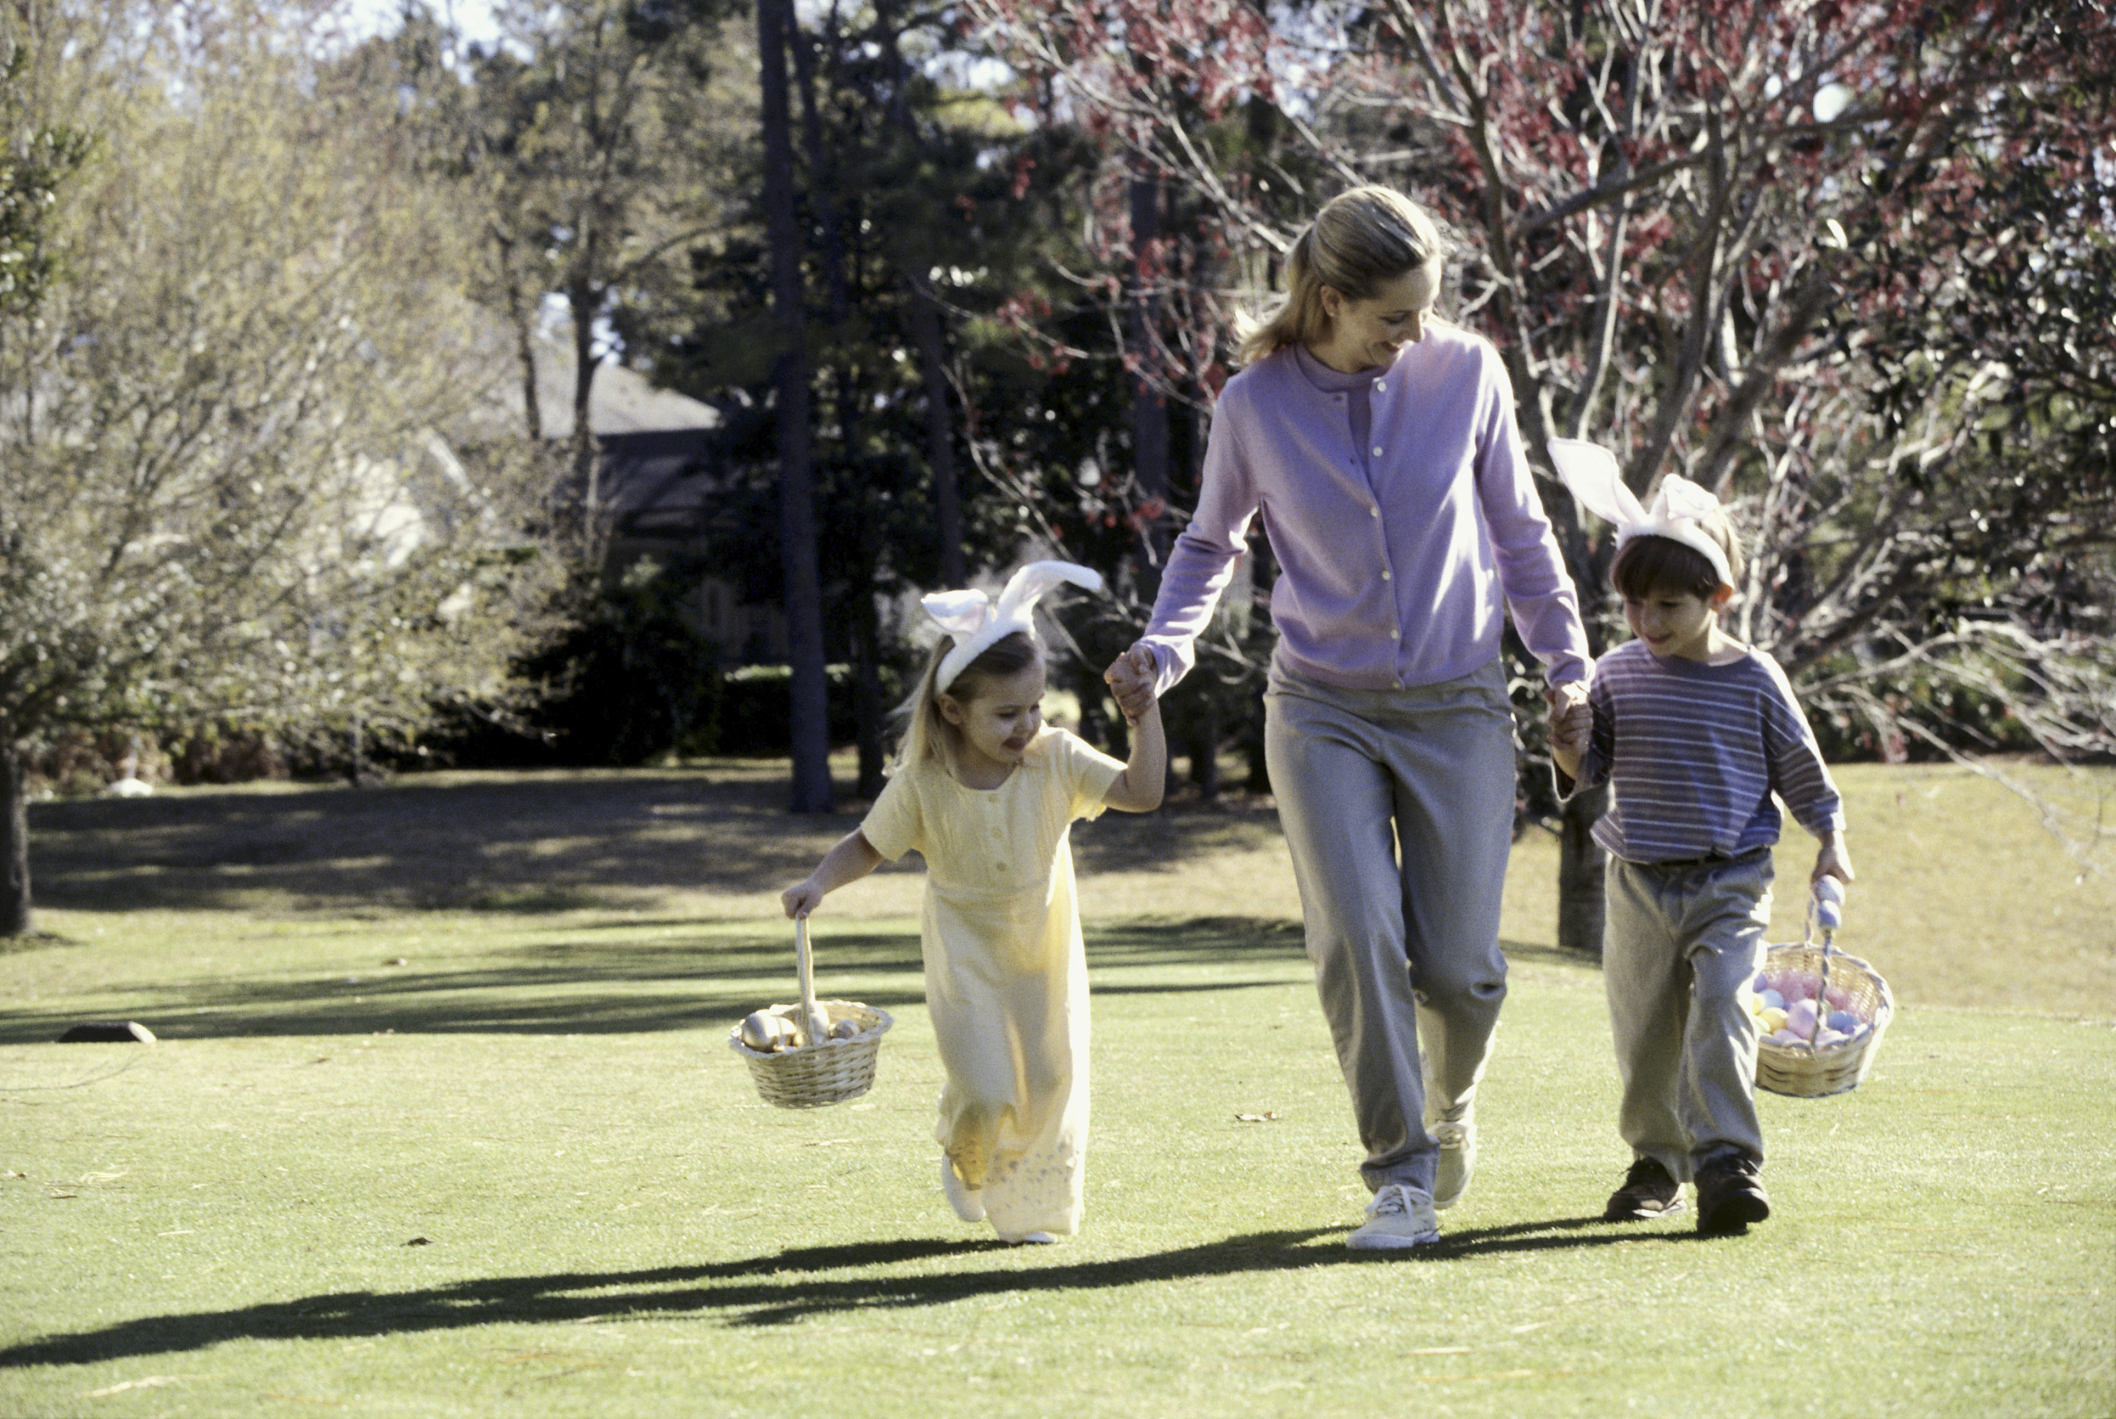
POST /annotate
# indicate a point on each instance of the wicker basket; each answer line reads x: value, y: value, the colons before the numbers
x: 1813, y: 1070
x: 817, y: 1073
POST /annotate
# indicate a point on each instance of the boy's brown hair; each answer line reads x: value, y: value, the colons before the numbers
x: 1648, y: 564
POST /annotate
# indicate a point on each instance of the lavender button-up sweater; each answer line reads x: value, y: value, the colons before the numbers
x: 1394, y: 551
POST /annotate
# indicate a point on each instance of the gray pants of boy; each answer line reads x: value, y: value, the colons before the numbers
x: 1681, y: 947
x: 1398, y: 811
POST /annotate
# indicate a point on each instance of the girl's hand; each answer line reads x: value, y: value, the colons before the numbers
x: 801, y: 898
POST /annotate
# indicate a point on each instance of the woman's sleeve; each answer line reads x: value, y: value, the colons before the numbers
x: 893, y: 825
x: 1202, y: 561
x: 1539, y: 592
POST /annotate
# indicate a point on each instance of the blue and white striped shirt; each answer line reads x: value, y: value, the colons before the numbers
x: 1693, y: 752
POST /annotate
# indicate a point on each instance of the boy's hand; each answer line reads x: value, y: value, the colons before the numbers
x: 801, y: 898
x: 1833, y: 860
x: 1570, y: 731
x: 1130, y: 678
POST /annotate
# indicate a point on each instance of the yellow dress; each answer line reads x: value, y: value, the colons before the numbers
x: 1006, y: 975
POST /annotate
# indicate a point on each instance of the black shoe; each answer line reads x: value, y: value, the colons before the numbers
x: 1648, y: 1192
x: 1729, y: 1197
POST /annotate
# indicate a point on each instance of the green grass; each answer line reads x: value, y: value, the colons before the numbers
x: 443, y: 1122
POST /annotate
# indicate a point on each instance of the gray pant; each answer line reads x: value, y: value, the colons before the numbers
x: 1398, y: 812
x: 1680, y: 949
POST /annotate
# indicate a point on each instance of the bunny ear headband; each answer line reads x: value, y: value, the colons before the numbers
x: 977, y: 622
x: 1678, y: 510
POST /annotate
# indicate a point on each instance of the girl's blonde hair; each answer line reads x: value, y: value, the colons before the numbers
x: 927, y: 733
x: 1359, y: 239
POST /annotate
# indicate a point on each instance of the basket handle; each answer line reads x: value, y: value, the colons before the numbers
x: 1824, y: 907
x: 815, y: 1024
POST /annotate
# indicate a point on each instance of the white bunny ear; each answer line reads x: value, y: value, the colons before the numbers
x: 960, y: 613
x: 1595, y: 482
x: 1679, y: 497
x: 1027, y: 586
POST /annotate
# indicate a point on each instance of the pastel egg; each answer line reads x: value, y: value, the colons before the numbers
x: 844, y: 1029
x: 1773, y: 1000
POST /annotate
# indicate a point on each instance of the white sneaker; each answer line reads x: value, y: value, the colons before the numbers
x: 1030, y: 1239
x: 1458, y: 1159
x: 968, y: 1202
x: 1399, y: 1216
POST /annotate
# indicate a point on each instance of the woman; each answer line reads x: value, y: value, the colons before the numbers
x: 1378, y: 445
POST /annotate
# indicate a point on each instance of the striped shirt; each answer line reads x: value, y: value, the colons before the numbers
x: 1692, y: 754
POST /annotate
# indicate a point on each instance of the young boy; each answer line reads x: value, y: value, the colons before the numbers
x: 1694, y: 732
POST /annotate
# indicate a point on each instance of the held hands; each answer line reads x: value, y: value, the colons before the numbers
x: 1130, y: 678
x: 1571, y: 724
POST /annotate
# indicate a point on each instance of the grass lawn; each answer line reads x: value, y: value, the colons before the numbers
x: 442, y: 1122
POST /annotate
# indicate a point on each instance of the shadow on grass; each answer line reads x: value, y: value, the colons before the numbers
x: 605, y: 979
x: 780, y: 1288
x: 516, y: 843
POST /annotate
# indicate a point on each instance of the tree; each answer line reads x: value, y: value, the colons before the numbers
x: 1676, y: 223
x: 221, y: 493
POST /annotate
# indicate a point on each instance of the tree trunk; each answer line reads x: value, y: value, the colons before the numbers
x: 809, y: 711
x: 940, y: 429
x: 16, y: 918
x: 869, y: 711
x: 586, y: 466
x: 523, y: 319
x: 1205, y: 750
x: 1149, y: 407
x: 1581, y: 908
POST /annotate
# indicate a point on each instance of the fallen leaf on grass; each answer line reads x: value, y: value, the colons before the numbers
x: 419, y: 1242
x: 1256, y: 1118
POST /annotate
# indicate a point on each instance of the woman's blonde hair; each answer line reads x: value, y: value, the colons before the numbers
x: 927, y: 733
x: 1358, y: 240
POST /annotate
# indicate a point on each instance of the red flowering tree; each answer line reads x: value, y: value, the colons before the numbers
x: 1765, y: 245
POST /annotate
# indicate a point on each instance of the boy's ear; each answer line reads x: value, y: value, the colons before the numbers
x: 1721, y: 595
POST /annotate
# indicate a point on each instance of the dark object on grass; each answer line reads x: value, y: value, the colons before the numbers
x: 108, y: 1032
x: 418, y: 1242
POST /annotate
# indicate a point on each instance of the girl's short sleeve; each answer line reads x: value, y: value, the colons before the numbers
x: 895, y: 824
x: 1086, y: 772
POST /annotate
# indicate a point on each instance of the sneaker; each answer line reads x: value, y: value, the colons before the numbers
x: 1729, y: 1197
x: 1399, y: 1216
x: 1458, y: 1159
x: 1029, y: 1239
x: 968, y: 1202
x: 1648, y: 1192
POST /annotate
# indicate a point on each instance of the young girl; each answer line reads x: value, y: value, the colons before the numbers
x: 1694, y: 732
x: 986, y: 793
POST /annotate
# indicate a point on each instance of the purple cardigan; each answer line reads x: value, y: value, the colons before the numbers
x: 1394, y: 555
